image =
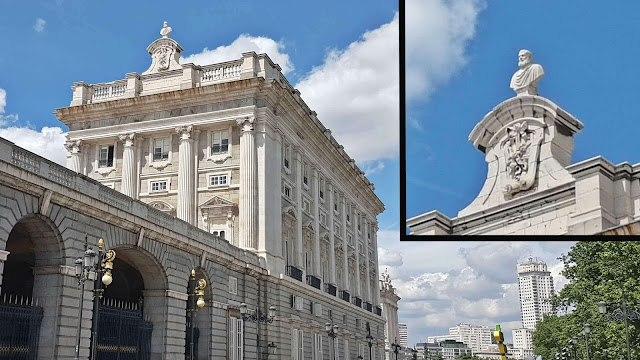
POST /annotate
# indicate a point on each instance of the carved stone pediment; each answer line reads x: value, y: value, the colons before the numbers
x: 162, y: 206
x: 290, y: 210
x: 165, y: 53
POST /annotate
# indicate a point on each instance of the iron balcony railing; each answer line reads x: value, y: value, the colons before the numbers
x: 378, y: 310
x: 368, y: 306
x: 344, y: 295
x: 357, y: 301
x: 294, y: 272
x: 313, y: 281
x: 331, y: 289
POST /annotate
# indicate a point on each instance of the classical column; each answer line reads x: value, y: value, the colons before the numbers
x: 316, y: 224
x: 332, y: 239
x: 298, y: 190
x: 356, y: 243
x: 185, y: 174
x: 367, y: 277
x: 139, y: 141
x: 128, y: 165
x: 248, y: 176
x: 374, y: 241
x: 345, y: 246
x: 73, y: 148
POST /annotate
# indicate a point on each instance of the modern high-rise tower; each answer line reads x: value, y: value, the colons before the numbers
x: 535, y: 285
x: 404, y: 335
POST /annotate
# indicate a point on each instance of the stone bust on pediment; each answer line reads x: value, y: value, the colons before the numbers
x: 525, y: 80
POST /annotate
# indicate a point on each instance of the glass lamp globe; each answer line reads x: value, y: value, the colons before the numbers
x: 200, y: 302
x: 107, y: 279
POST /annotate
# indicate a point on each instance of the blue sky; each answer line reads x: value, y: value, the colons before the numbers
x: 589, y: 53
x: 48, y: 45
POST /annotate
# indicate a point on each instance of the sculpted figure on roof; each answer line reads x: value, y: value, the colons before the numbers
x: 525, y: 80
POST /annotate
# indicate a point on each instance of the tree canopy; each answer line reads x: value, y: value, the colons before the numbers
x: 597, y: 271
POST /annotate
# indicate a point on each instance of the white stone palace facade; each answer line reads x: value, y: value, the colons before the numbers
x: 532, y: 187
x: 220, y: 168
x: 390, y: 313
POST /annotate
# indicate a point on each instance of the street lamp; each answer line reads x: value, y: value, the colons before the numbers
x: 257, y: 316
x: 196, y: 301
x: 574, y: 346
x: 396, y: 347
x: 621, y: 313
x: 586, y: 332
x: 100, y: 264
x: 332, y: 331
x: 369, y: 339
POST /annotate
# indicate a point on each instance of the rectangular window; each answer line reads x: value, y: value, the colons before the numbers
x: 160, y: 185
x: 348, y: 218
x: 317, y: 309
x: 306, y: 205
x: 336, y: 228
x: 287, y: 156
x: 236, y: 339
x: 360, y: 248
x: 161, y: 149
x: 344, y: 319
x: 350, y: 240
x: 106, y: 156
x: 321, y: 188
x: 233, y: 285
x: 323, y: 219
x: 297, y: 344
x: 317, y: 347
x: 218, y: 180
x: 297, y: 302
x: 305, y: 178
x: 286, y: 191
x: 219, y: 142
x: 361, y: 350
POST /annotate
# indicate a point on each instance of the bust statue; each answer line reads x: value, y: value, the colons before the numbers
x: 525, y: 80
x: 166, y: 30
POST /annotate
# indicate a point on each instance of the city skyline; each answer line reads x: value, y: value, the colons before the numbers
x: 463, y: 282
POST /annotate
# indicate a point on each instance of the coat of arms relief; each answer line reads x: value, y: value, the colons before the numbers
x: 520, y: 147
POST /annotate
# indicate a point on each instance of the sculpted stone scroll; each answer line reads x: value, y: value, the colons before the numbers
x: 525, y: 80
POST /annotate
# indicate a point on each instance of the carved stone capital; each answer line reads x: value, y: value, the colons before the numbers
x: 73, y: 146
x: 185, y: 132
x: 128, y: 139
x: 246, y: 123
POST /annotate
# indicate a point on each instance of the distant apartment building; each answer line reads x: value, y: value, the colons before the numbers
x: 448, y: 349
x: 477, y: 338
x: 403, y: 335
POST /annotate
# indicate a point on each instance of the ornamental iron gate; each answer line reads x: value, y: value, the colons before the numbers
x: 20, y: 323
x: 122, y: 333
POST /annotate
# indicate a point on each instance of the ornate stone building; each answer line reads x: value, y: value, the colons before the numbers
x: 219, y: 168
x: 532, y: 187
x: 390, y: 313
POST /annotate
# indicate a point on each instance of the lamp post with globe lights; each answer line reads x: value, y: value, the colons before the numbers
x: 586, y: 332
x: 621, y: 313
x: 196, y: 301
x: 100, y: 264
x: 396, y: 348
x: 332, y: 331
x: 369, y: 339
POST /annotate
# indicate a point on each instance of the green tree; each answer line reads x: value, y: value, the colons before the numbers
x: 597, y: 271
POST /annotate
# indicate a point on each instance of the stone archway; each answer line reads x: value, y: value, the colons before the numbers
x: 140, y: 283
x: 31, y: 272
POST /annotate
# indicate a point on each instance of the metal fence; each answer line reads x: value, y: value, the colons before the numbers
x: 122, y: 333
x: 20, y: 321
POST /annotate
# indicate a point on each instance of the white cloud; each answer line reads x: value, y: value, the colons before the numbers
x: 5, y: 119
x: 356, y: 94
x: 39, y: 25
x: 48, y: 142
x: 3, y: 100
x: 389, y: 258
x: 371, y: 167
x: 437, y: 33
x: 244, y: 43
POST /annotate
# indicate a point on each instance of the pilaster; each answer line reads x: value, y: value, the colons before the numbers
x: 248, y: 169
x: 186, y: 186
x: 299, y: 242
x: 367, y: 277
x: 356, y: 217
x: 332, y: 234
x: 128, y: 165
x: 374, y: 240
x: 345, y: 246
x: 316, y: 223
